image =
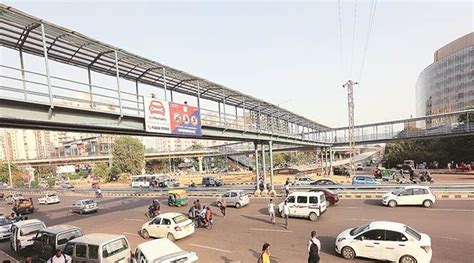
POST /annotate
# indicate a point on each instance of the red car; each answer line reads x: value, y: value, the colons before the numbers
x: 331, y: 196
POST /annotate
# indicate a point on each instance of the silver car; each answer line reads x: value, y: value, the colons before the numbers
x: 5, y: 225
x: 84, y: 206
x: 237, y: 198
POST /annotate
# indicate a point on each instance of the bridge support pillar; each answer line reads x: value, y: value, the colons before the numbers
x: 330, y: 161
x: 264, y: 172
x: 200, y: 164
x: 257, y: 173
x: 270, y: 152
x: 321, y: 160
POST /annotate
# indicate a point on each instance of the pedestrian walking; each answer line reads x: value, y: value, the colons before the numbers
x: 287, y: 189
x: 271, y: 211
x: 265, y: 255
x: 286, y: 213
x: 222, y: 206
x: 59, y: 257
x: 314, y: 247
x: 449, y: 167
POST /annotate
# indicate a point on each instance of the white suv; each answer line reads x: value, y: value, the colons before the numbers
x: 305, y: 204
x: 410, y: 195
x: 387, y: 241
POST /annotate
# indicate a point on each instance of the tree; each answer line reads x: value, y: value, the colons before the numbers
x: 128, y: 155
x: 102, y: 170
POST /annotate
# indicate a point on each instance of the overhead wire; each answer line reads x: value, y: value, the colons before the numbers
x: 340, y: 37
x: 373, y: 8
x: 353, y: 37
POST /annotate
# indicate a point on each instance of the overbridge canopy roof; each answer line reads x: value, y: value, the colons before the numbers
x: 19, y: 30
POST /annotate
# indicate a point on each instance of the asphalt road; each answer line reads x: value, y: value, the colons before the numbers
x: 240, y: 235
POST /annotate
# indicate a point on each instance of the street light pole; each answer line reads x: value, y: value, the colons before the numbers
x: 350, y: 107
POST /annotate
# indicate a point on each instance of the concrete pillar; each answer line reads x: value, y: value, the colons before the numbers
x: 257, y: 173
x: 330, y: 161
x: 326, y: 163
x: 321, y: 159
x: 200, y: 164
x: 264, y: 172
x: 270, y: 149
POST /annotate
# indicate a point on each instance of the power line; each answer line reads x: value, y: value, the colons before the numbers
x: 340, y: 36
x: 369, y: 31
x: 353, y: 36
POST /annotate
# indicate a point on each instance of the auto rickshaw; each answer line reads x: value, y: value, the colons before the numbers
x: 177, y: 198
x: 390, y: 174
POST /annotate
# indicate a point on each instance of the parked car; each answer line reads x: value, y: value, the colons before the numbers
x: 364, y: 180
x: 163, y: 251
x: 387, y: 241
x: 98, y: 247
x: 49, y: 239
x: 337, y: 170
x: 305, y: 204
x: 325, y: 182
x: 331, y: 196
x: 5, y: 226
x: 23, y: 206
x: 47, y: 199
x: 211, y: 181
x: 22, y: 233
x: 303, y: 181
x: 237, y: 198
x: 410, y: 195
x: 10, y: 199
x: 168, y: 225
x: 67, y: 186
x: 84, y: 206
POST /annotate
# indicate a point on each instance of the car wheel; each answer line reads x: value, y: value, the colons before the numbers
x: 313, y: 216
x: 392, y: 203
x: 171, y: 237
x: 407, y: 259
x: 348, y: 253
x: 237, y: 205
x: 145, y: 234
x: 427, y: 203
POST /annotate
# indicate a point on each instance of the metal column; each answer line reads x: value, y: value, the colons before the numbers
x: 22, y: 65
x: 164, y: 84
x: 118, y: 82
x: 138, y: 97
x: 330, y: 161
x: 48, y: 78
x: 264, y: 172
x: 270, y: 152
x: 321, y: 159
x: 89, y: 77
x: 257, y: 174
x: 198, y: 95
x: 223, y: 104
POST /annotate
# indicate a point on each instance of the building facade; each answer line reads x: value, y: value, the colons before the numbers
x: 447, y: 84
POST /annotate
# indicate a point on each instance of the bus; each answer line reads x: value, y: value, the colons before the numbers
x: 148, y: 180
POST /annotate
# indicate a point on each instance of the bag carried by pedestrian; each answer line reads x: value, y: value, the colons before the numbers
x: 313, y: 253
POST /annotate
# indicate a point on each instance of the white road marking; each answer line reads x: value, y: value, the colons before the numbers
x: 134, y: 219
x: 358, y: 219
x: 453, y: 210
x: 450, y: 238
x: 131, y: 234
x: 211, y: 248
x: 271, y: 230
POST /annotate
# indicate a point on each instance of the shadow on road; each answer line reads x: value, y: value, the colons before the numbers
x: 374, y: 202
x: 265, y: 220
x: 327, y: 245
x: 228, y: 260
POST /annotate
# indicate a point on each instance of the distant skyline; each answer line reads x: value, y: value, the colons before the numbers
x: 285, y: 53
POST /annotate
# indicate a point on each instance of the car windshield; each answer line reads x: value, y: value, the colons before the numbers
x: 397, y: 192
x: 51, y: 195
x: 179, y: 219
x: 412, y: 233
x: 4, y: 221
x: 243, y: 194
x: 359, y: 230
x: 88, y: 202
x: 30, y: 229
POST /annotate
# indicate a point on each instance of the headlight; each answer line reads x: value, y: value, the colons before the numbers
x: 341, y: 239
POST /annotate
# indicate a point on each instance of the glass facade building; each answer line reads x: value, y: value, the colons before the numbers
x: 447, y: 85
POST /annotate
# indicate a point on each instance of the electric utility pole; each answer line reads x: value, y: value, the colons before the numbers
x: 350, y: 107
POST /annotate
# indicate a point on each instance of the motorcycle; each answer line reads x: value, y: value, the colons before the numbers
x: 152, y: 214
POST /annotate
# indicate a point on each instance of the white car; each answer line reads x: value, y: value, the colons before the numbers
x: 10, y: 199
x: 23, y: 232
x: 168, y: 225
x: 303, y: 181
x: 49, y: 199
x: 5, y: 226
x: 305, y: 204
x: 387, y: 241
x: 410, y: 195
x: 237, y: 198
x: 163, y: 251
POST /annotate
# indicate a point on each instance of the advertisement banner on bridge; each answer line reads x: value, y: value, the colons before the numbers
x: 185, y: 120
x: 157, y: 116
x: 171, y: 118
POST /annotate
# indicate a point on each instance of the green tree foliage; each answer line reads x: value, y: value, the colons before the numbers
x: 45, y: 171
x: 128, y: 155
x: 442, y: 150
x: 34, y: 184
x: 103, y: 171
x: 51, y: 182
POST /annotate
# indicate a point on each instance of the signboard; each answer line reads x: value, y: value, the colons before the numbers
x: 172, y: 118
x: 157, y: 116
x: 185, y: 120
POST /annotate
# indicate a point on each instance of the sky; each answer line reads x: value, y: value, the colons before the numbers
x: 282, y: 52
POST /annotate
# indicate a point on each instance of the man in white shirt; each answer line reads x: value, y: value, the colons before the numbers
x: 271, y: 211
x: 287, y: 189
x: 286, y: 213
x: 59, y: 257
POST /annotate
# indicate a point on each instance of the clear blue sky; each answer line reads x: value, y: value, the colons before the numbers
x: 281, y: 51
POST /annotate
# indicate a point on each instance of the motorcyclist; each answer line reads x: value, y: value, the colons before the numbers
x: 192, y: 184
x: 154, y: 208
x: 98, y: 192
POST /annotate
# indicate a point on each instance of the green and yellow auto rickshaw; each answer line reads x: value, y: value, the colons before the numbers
x: 177, y: 198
